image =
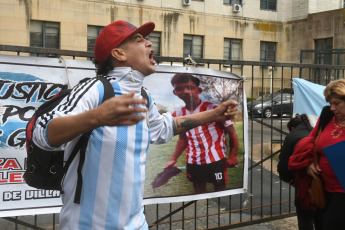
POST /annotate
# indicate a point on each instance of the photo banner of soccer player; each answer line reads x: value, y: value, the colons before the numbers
x: 208, y: 161
x: 27, y: 82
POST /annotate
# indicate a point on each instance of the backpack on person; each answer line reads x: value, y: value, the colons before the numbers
x: 46, y: 169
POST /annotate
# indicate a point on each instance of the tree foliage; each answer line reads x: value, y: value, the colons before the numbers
x: 217, y: 89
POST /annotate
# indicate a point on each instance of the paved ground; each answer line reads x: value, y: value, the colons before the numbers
x: 283, y: 224
x: 203, y: 210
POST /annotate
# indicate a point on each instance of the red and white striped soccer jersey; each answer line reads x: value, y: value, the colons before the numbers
x: 206, y: 143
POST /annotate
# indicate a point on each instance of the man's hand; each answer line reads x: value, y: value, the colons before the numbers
x: 170, y: 163
x: 226, y: 111
x: 121, y: 110
x: 231, y: 161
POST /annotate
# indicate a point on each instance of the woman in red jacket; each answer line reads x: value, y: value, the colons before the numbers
x: 332, y: 125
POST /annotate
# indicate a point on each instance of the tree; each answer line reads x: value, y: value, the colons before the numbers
x: 217, y: 89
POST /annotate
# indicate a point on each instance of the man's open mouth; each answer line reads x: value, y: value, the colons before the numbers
x: 151, y: 57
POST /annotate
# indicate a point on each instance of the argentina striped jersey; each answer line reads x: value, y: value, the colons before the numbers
x: 114, y: 168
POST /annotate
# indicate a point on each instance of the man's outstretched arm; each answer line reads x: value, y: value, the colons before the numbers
x: 225, y: 111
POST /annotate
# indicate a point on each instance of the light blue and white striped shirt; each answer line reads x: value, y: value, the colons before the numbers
x: 114, y: 168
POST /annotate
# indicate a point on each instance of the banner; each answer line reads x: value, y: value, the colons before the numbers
x: 308, y: 99
x: 215, y: 87
x: 27, y: 82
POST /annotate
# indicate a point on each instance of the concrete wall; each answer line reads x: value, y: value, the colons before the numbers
x: 301, y: 34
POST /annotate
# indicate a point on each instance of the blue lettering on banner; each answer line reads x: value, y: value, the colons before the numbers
x: 20, y: 94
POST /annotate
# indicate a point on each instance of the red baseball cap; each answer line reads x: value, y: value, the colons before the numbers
x: 114, y: 34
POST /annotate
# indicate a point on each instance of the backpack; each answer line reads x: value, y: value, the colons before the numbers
x: 46, y: 169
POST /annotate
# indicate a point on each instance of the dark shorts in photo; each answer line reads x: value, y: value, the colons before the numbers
x: 214, y: 173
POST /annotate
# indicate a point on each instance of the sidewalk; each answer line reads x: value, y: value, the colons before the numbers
x: 283, y: 224
x: 212, y: 221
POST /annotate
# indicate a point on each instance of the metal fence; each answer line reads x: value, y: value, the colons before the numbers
x: 267, y: 197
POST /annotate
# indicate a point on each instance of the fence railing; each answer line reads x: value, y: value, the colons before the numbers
x: 267, y: 198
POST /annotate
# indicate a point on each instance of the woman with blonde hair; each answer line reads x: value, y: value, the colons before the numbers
x: 331, y: 130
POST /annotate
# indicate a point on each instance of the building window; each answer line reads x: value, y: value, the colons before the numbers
x: 92, y: 34
x: 155, y: 38
x: 233, y: 2
x: 193, y: 46
x: 268, y: 5
x: 324, y: 44
x: 324, y: 51
x: 44, y: 34
x: 268, y: 51
x: 232, y: 49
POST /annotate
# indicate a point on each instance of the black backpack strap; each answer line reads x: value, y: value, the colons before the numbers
x: 73, y: 154
x: 79, y: 146
x: 84, y: 139
x: 108, y: 88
